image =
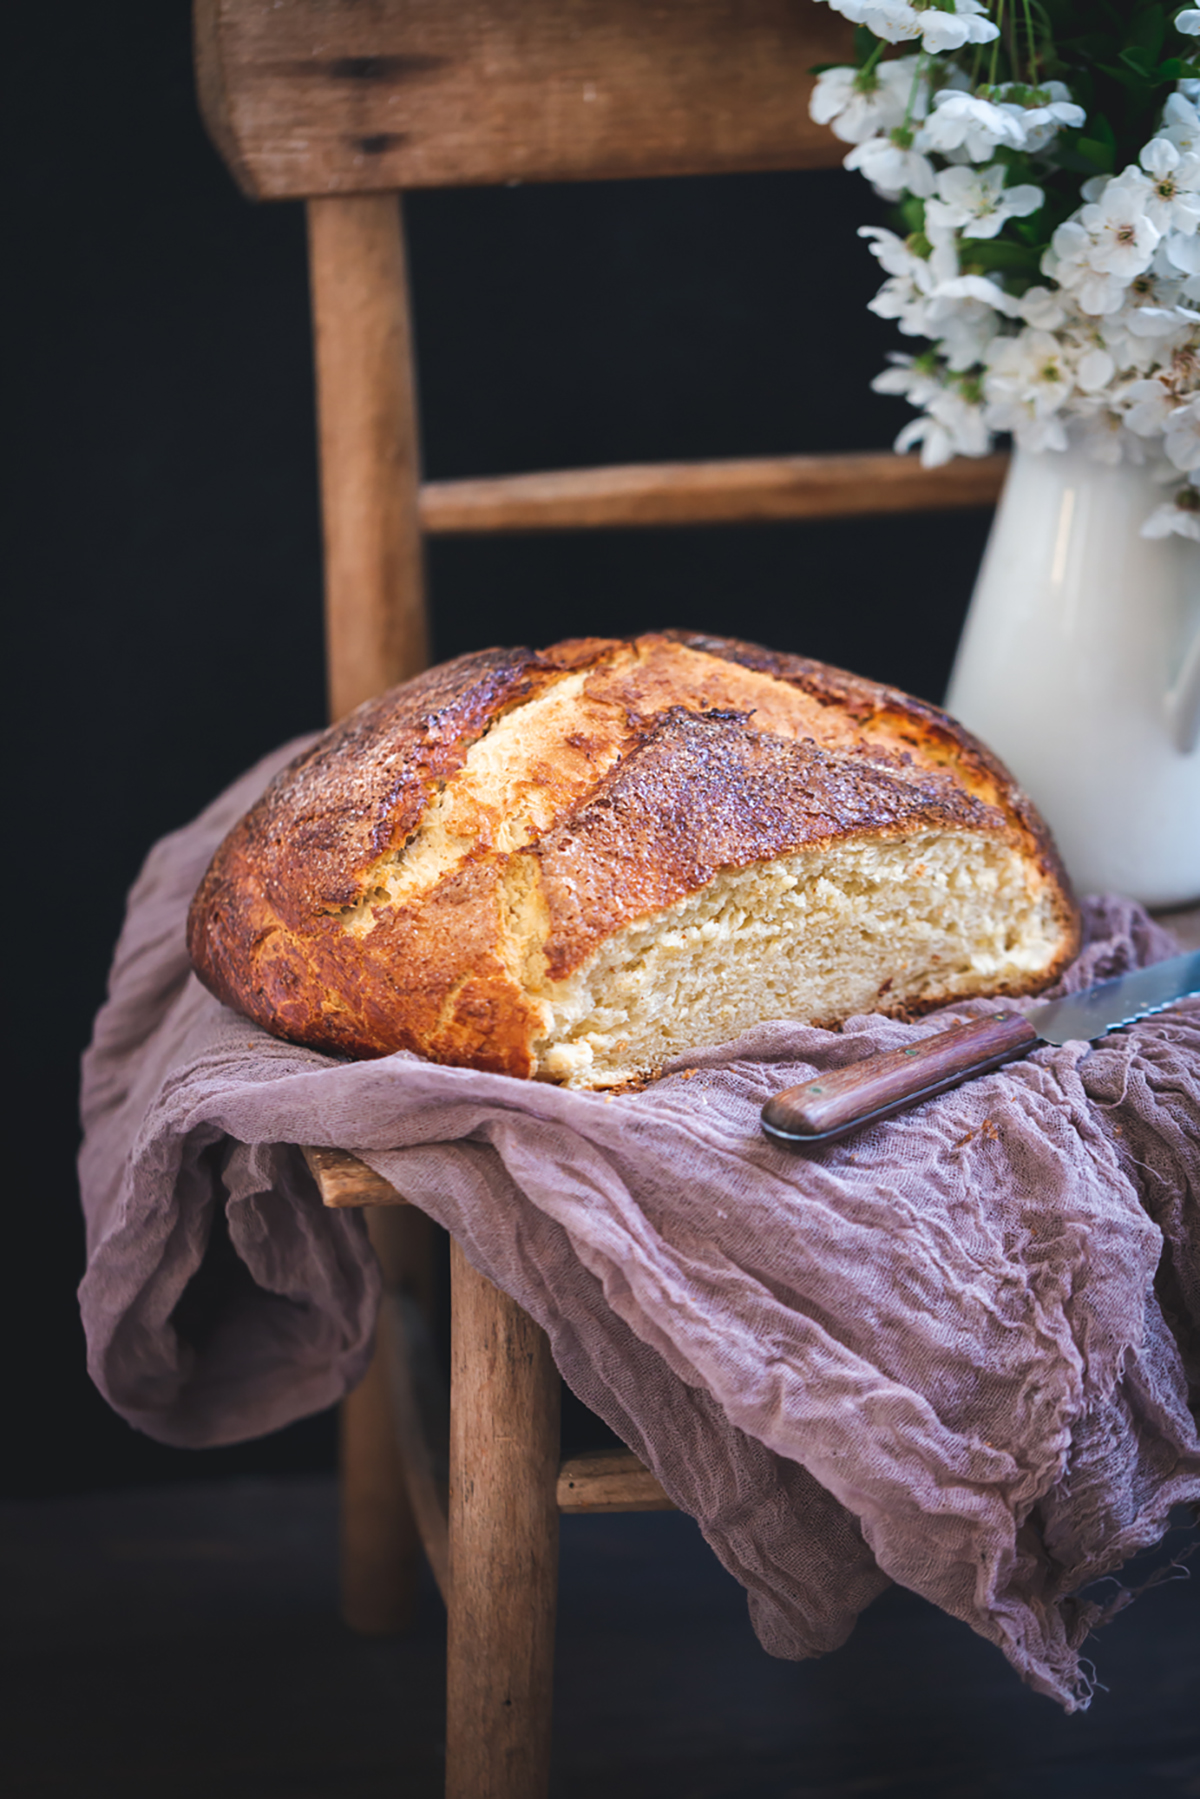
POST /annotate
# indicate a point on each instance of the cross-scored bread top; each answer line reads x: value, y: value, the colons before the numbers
x: 577, y: 862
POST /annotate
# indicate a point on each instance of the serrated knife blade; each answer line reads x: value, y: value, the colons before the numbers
x: 1081, y: 1017
x: 829, y: 1106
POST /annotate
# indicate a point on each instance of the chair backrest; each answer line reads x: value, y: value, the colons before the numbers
x: 358, y: 96
x: 345, y: 103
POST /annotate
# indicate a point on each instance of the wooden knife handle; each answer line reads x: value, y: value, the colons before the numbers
x: 830, y: 1105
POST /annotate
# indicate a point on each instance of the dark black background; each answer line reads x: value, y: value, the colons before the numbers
x: 163, y: 535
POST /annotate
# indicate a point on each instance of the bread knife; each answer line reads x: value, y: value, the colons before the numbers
x: 829, y: 1106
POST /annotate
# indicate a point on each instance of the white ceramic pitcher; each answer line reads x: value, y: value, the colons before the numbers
x: 1080, y: 666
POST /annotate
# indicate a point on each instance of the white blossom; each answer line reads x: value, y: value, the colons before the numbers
x: 962, y: 328
x: 1169, y: 518
x: 1098, y: 252
x: 1122, y: 233
x: 1104, y: 353
x: 896, y: 257
x: 1099, y: 430
x: 1180, y: 515
x: 1152, y: 320
x: 1133, y: 356
x: 1159, y: 321
x: 1183, y: 252
x: 1042, y: 307
x: 966, y: 122
x: 1149, y: 405
x: 1181, y: 123
x: 963, y: 315
x: 952, y: 425
x: 908, y: 378
x: 1189, y: 291
x: 1094, y: 370
x: 1181, y: 438
x: 892, y: 169
x: 854, y: 111
x: 977, y: 201
x: 896, y: 21
x: 979, y: 288
x: 1066, y: 262
x: 1027, y: 384
x: 1042, y: 112
x: 905, y: 296
x: 1173, y: 203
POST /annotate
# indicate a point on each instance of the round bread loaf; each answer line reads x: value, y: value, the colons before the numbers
x: 580, y: 862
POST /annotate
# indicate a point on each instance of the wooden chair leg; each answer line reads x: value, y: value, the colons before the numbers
x: 380, y: 1546
x: 504, y: 1447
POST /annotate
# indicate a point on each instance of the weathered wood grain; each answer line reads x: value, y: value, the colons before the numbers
x: 343, y: 1180
x: 503, y: 1544
x: 376, y: 629
x: 308, y: 97
x: 378, y: 1541
x: 378, y: 1526
x: 709, y: 493
x: 609, y: 1480
x: 830, y: 1104
x: 421, y: 1417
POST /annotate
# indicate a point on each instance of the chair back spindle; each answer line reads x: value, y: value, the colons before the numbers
x: 376, y: 628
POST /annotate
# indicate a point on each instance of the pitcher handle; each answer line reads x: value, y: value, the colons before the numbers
x: 1181, y: 702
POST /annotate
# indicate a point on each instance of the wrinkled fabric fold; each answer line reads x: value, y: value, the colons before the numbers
x: 960, y: 1350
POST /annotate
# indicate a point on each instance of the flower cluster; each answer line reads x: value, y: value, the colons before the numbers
x: 1047, y: 240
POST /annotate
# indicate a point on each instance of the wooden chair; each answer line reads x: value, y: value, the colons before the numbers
x: 344, y: 104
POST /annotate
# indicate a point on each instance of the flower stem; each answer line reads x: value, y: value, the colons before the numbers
x: 994, y: 70
x: 912, y: 92
x: 1033, y: 61
x: 868, y: 67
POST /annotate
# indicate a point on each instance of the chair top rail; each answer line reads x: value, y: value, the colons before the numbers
x: 318, y: 97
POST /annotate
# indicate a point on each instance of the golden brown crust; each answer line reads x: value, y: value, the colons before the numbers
x: 265, y: 931
x: 684, y: 755
x: 925, y: 729
x: 705, y: 791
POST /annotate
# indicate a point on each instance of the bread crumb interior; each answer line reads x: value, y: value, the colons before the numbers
x: 867, y: 925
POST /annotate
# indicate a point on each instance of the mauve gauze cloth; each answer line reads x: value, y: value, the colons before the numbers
x: 954, y: 1351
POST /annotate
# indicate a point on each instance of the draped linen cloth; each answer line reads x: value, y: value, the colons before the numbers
x: 960, y: 1350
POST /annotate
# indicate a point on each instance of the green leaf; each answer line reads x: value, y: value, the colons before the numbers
x: 1139, y: 60
x: 1017, y: 162
x: 1102, y: 132
x: 999, y: 253
x: 1099, y: 155
x: 1149, y: 30
x: 1073, y: 160
x: 912, y: 211
x: 1098, y: 142
x: 1125, y: 76
x: 1031, y: 230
